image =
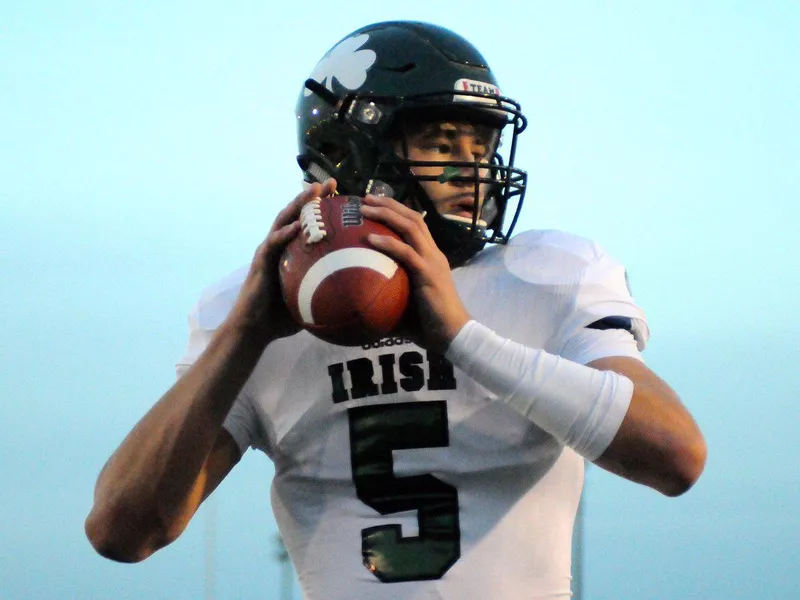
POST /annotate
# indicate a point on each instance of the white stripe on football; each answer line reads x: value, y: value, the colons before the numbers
x: 336, y: 261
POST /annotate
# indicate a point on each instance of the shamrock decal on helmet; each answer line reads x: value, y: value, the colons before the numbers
x: 345, y: 63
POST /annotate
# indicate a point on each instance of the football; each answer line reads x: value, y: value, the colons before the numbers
x: 335, y: 284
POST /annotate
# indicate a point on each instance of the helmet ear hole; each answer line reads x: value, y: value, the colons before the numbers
x: 333, y: 152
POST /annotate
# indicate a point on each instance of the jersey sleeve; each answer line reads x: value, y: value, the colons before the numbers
x: 244, y: 425
x: 606, y: 321
x: 215, y: 303
x: 199, y: 337
x: 206, y: 316
x: 590, y: 344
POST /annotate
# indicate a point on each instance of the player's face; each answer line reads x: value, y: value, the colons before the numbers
x: 456, y: 142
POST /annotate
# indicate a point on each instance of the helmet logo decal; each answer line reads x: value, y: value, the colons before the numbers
x: 345, y: 63
x: 479, y: 87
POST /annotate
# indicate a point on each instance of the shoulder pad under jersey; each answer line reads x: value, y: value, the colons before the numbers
x: 597, y: 282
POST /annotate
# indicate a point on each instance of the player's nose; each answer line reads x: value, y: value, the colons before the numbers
x: 467, y: 150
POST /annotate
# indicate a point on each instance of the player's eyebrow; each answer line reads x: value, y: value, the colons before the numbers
x: 452, y: 130
x: 433, y: 130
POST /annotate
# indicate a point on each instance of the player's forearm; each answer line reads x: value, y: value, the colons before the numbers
x: 658, y: 442
x: 616, y: 412
x: 154, y: 482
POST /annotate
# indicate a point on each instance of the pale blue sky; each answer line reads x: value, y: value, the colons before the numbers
x: 145, y: 148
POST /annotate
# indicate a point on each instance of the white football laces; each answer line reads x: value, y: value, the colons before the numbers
x: 311, y: 222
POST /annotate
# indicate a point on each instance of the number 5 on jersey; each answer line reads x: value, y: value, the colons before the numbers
x: 374, y: 432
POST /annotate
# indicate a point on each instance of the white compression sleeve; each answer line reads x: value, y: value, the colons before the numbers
x: 580, y: 406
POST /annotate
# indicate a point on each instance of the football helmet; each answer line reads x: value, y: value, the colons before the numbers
x: 385, y: 76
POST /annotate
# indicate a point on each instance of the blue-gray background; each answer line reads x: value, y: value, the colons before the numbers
x: 146, y: 147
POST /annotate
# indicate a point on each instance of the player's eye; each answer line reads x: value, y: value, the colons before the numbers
x: 480, y: 151
x: 438, y: 146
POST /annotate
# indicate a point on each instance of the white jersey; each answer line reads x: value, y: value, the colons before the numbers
x: 397, y: 476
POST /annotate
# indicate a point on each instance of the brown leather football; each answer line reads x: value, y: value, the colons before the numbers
x: 336, y: 285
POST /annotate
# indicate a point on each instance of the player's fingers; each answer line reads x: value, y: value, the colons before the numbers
x: 328, y: 188
x: 311, y: 192
x: 275, y: 242
x: 400, y: 251
x: 284, y: 235
x: 407, y: 223
x: 292, y: 210
x: 391, y: 203
x: 387, y: 203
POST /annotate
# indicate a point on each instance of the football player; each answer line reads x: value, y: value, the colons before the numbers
x: 446, y: 462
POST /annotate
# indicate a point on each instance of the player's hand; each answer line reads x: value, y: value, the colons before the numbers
x: 260, y: 306
x: 440, y: 314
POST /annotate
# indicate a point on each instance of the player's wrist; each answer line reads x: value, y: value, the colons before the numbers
x: 250, y: 328
x: 440, y: 337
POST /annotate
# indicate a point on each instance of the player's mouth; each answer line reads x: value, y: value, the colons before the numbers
x: 462, y: 210
x: 463, y: 207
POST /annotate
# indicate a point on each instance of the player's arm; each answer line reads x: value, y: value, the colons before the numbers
x: 174, y: 457
x: 614, y: 411
x: 658, y: 443
x: 178, y: 452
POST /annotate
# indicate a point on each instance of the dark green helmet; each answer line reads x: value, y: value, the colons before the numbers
x: 382, y: 77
